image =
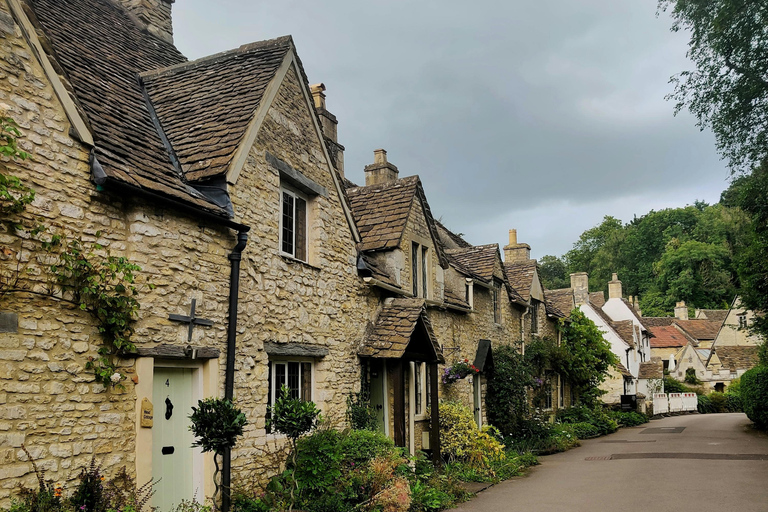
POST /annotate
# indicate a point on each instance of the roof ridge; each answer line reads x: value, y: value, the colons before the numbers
x: 221, y: 56
x: 400, y: 182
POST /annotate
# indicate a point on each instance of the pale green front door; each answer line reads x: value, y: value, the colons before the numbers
x: 172, y: 454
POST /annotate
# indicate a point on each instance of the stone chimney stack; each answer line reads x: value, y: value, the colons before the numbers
x: 580, y: 285
x: 155, y: 15
x: 380, y: 171
x: 515, y: 252
x: 328, y: 123
x: 681, y: 310
x: 614, y: 287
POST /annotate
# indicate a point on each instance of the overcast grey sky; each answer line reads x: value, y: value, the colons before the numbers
x: 542, y: 116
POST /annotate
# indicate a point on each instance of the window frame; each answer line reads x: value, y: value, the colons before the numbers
x: 297, y: 196
x: 496, y: 301
x: 272, y: 381
x: 420, y: 390
x: 534, y: 316
x: 420, y: 274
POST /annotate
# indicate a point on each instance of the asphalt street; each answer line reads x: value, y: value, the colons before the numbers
x: 694, y: 463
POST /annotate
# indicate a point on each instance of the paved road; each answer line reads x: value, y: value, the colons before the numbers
x: 696, y: 463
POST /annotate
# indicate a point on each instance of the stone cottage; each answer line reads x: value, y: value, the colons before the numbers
x: 216, y: 178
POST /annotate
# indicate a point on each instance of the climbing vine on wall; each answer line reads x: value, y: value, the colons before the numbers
x: 81, y: 273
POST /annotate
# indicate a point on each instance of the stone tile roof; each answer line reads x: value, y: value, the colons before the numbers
x: 623, y: 371
x: 626, y: 329
x: 101, y: 50
x: 553, y: 310
x: 651, y: 370
x: 597, y: 299
x: 738, y: 357
x: 562, y: 299
x: 478, y: 260
x: 453, y: 298
x: 376, y: 271
x: 657, y: 321
x: 449, y: 238
x: 700, y: 329
x: 622, y: 328
x: 668, y: 336
x: 520, y: 276
x: 206, y: 106
x: 381, y: 212
x: 714, y: 315
x: 394, y: 326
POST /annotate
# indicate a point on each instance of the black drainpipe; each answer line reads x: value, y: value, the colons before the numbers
x: 229, y: 375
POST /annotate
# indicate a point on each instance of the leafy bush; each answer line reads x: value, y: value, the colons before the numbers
x: 705, y: 404
x: 597, y: 417
x: 733, y: 402
x: 507, y: 399
x: 628, y: 418
x: 690, y: 376
x: 585, y: 430
x: 718, y: 401
x: 754, y: 395
x: 360, y: 414
x: 461, y: 440
x: 675, y: 386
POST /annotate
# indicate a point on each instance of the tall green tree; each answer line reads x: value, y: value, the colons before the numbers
x: 728, y: 89
x: 554, y: 273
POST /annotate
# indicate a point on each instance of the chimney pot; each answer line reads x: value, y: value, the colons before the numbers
x: 380, y: 171
x: 318, y: 95
x: 512, y: 237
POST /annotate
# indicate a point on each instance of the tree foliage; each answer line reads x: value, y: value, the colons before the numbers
x: 587, y: 357
x: 728, y: 89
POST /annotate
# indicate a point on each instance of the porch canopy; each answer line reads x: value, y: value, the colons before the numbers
x: 403, y: 333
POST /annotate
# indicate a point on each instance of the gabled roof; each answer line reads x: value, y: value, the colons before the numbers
x: 394, y: 327
x: 381, y: 214
x: 553, y: 310
x: 368, y: 266
x: 635, y: 314
x: 713, y: 315
x: 651, y: 370
x: 668, y: 336
x: 562, y: 299
x: 520, y: 276
x: 738, y: 357
x: 623, y: 328
x: 206, y: 106
x: 454, y: 299
x: 101, y: 50
x: 623, y: 371
x: 597, y: 299
x: 478, y: 261
x: 699, y: 329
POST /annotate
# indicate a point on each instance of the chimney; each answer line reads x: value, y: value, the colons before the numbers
x: 155, y: 15
x: 380, y: 171
x: 515, y: 252
x: 681, y: 310
x: 328, y: 123
x: 580, y: 285
x: 614, y: 287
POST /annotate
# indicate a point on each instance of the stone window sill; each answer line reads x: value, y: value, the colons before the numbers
x: 290, y: 259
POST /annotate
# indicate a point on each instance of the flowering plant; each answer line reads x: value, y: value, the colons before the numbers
x: 458, y: 371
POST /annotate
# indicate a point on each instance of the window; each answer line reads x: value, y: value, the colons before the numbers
x: 561, y: 391
x: 421, y: 397
x: 496, y: 291
x: 469, y: 292
x: 742, y: 321
x: 293, y: 224
x: 420, y: 270
x: 547, y: 399
x: 534, y: 316
x: 295, y: 375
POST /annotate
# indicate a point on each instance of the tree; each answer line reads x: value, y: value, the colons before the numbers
x: 553, y: 273
x: 728, y: 90
x: 586, y: 358
x: 598, y: 252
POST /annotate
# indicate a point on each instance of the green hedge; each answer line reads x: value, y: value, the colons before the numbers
x: 754, y: 395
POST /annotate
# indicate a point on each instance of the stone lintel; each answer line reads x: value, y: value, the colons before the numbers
x: 296, y: 178
x: 294, y: 349
x: 168, y: 351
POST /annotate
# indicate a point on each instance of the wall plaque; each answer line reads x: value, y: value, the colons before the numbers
x: 147, y: 413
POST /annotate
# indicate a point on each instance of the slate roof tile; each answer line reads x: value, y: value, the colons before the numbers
x: 597, y: 299
x: 393, y: 328
x: 700, y: 329
x: 478, y: 260
x: 715, y: 315
x: 651, y: 370
x: 657, y: 321
x: 520, y: 276
x: 562, y: 299
x: 101, y: 50
x: 738, y: 357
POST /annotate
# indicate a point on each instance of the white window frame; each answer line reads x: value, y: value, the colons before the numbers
x: 470, y: 292
x: 284, y: 189
x: 419, y: 369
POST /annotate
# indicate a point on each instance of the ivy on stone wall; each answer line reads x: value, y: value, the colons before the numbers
x: 98, y: 283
